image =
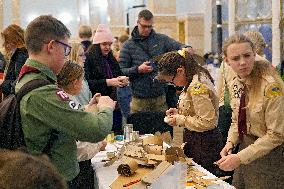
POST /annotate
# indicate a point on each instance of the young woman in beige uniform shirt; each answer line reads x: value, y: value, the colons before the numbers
x: 260, y: 162
x: 197, y: 110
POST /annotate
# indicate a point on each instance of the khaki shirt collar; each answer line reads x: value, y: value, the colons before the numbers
x: 245, y: 81
x: 43, y: 68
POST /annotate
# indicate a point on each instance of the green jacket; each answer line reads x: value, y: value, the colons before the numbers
x: 45, y: 109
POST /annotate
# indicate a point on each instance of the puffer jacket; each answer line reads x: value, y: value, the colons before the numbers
x: 138, y: 50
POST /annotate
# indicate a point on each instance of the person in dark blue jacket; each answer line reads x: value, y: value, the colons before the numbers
x: 136, y: 61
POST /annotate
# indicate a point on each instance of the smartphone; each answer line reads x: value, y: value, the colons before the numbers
x: 153, y: 64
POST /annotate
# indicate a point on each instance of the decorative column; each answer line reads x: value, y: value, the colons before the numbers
x: 83, y: 12
x: 165, y: 20
x: 116, y: 17
x: 1, y: 15
x: 208, y: 26
x: 94, y: 13
x: 276, y: 40
x: 16, y: 12
x: 219, y: 26
x: 232, y: 13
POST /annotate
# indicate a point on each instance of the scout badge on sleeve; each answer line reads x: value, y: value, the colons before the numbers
x: 198, y: 88
x: 273, y: 91
x: 62, y: 95
x: 74, y: 105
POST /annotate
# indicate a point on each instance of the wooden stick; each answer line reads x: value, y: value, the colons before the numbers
x: 131, y: 183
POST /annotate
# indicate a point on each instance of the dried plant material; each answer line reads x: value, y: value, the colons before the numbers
x: 151, y: 162
x: 167, y: 137
x: 155, y: 157
x: 134, y: 151
x: 156, y: 140
x: 110, y: 155
x: 223, y: 178
x: 189, y: 161
x: 153, y: 149
x: 119, y: 156
x: 128, y: 168
x: 156, y: 173
x: 175, y: 151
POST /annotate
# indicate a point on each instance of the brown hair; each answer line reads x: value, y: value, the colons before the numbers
x: 85, y: 31
x: 19, y: 170
x: 70, y: 72
x: 13, y: 34
x: 169, y: 62
x: 43, y: 29
x: 146, y: 14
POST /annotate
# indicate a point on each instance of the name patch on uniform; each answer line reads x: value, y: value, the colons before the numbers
x: 198, y: 88
x: 74, y: 105
x: 62, y: 95
x: 273, y: 91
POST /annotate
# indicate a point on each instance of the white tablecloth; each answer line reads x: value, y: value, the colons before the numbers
x: 106, y: 175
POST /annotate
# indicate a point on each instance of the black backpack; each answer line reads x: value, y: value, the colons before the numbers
x: 11, y: 133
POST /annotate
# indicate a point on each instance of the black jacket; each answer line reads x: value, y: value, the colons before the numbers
x: 18, y: 59
x: 94, y: 71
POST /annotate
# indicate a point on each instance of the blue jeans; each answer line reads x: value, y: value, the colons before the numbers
x: 124, y: 98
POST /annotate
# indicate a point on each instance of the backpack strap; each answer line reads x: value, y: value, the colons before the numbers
x: 25, y: 89
x: 29, y: 86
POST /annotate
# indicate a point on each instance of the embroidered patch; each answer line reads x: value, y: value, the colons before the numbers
x: 198, y: 88
x: 237, y: 91
x: 62, y: 95
x: 74, y: 105
x: 273, y: 91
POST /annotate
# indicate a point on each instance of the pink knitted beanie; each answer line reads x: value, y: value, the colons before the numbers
x: 103, y: 34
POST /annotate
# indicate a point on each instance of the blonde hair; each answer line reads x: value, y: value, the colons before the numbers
x: 258, y: 41
x: 123, y: 38
x: 74, y: 54
x: 69, y: 73
x: 260, y: 68
x: 236, y: 38
x: 85, y: 31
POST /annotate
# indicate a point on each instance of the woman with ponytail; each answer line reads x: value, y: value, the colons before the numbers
x: 194, y: 120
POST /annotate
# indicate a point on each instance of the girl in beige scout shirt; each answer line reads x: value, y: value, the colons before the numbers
x: 259, y: 126
x: 197, y: 109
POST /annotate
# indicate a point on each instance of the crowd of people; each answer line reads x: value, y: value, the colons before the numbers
x: 95, y: 87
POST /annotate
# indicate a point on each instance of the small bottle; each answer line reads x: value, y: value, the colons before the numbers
x: 127, y: 129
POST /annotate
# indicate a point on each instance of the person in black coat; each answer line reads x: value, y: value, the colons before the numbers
x: 102, y: 71
x: 14, y: 44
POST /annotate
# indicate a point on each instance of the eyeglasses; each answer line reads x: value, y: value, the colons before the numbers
x: 146, y: 26
x: 67, y: 48
x: 164, y: 81
x: 172, y: 82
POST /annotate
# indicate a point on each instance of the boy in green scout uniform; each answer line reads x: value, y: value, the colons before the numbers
x: 48, y: 109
